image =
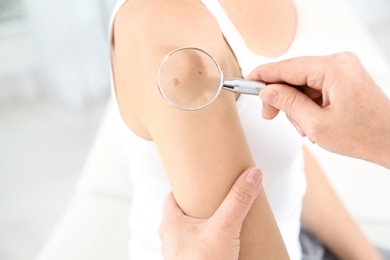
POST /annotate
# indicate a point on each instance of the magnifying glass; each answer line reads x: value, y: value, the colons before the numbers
x: 190, y: 78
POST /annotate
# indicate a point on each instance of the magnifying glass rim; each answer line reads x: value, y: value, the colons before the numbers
x: 197, y: 49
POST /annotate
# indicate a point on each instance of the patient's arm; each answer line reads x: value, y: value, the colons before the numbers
x: 204, y: 151
x: 324, y: 214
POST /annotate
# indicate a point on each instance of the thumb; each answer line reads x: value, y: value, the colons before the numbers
x: 294, y: 103
x: 238, y: 202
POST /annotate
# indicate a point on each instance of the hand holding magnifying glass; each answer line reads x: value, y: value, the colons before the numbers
x: 190, y: 78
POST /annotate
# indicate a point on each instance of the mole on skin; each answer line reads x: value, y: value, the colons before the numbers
x: 176, y: 82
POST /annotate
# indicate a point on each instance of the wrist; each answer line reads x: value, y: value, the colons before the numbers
x: 384, y: 156
x: 378, y: 151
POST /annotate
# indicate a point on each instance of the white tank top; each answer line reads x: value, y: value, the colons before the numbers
x: 275, y: 145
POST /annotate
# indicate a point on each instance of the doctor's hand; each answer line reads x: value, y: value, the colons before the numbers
x: 336, y: 104
x: 218, y: 237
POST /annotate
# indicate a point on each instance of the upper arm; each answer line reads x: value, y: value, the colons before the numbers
x: 203, y: 151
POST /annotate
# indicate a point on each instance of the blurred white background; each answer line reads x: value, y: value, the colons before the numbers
x: 54, y: 84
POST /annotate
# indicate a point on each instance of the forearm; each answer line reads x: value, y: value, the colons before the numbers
x: 324, y: 214
x: 383, y: 158
x: 375, y: 143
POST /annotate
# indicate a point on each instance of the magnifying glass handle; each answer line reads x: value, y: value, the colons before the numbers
x: 243, y: 86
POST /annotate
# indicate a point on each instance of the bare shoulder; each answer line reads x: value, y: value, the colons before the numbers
x: 144, y: 32
x: 203, y: 150
x: 163, y: 24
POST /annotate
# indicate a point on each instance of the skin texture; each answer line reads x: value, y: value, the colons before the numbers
x: 342, y: 109
x: 210, y: 148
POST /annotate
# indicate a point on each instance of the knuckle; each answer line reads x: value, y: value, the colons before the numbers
x: 344, y: 58
x: 290, y: 102
x: 315, y: 79
x: 243, y: 194
x: 340, y: 56
x: 285, y: 63
x: 350, y: 55
x: 314, y: 129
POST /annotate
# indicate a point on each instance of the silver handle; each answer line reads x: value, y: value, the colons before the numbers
x: 243, y: 86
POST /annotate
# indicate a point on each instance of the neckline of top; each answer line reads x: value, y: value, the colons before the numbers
x: 234, y: 37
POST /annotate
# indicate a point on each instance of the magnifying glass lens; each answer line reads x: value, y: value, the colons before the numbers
x: 189, y: 78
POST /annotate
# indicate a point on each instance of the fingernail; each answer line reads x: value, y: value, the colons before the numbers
x: 253, y: 176
x: 270, y: 96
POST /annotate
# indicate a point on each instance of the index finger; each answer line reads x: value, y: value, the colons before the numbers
x: 302, y: 71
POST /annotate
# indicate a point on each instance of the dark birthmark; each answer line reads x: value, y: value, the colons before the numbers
x: 200, y: 72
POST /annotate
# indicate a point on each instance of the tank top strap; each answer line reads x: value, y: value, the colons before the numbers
x: 229, y: 31
x: 117, y: 6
